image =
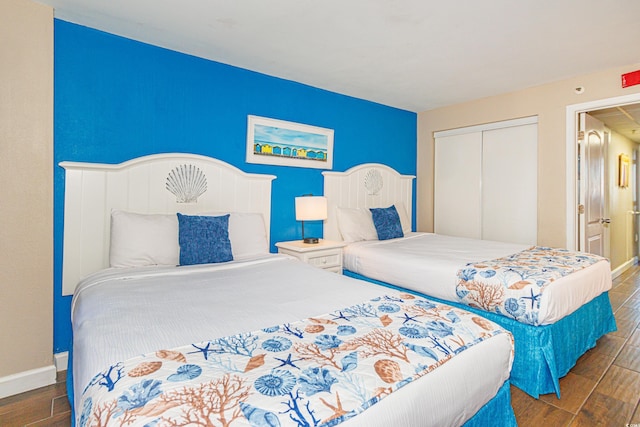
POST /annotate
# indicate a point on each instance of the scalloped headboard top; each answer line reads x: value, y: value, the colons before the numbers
x: 369, y: 185
x: 155, y: 184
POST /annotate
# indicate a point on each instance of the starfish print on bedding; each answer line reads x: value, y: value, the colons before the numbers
x: 288, y: 361
x: 341, y: 315
x: 204, y: 350
x: 533, y: 298
x: 408, y: 318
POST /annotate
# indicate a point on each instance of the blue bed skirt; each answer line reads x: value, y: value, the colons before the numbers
x: 543, y: 354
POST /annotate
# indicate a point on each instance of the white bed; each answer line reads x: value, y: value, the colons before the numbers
x: 120, y: 313
x: 575, y: 305
x: 428, y: 263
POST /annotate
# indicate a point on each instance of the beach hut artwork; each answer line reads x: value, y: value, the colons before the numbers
x: 278, y: 142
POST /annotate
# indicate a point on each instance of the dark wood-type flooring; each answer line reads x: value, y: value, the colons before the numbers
x: 603, y: 389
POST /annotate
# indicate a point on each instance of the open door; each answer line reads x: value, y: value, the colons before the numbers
x: 593, y: 208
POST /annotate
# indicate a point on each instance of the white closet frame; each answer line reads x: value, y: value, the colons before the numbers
x: 485, y: 180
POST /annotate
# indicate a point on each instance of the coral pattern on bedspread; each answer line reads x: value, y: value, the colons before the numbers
x: 319, y: 371
x: 513, y: 285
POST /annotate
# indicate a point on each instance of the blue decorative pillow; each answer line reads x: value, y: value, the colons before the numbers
x: 204, y: 239
x: 387, y: 222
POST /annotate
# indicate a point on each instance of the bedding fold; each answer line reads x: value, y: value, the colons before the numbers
x: 514, y: 285
x: 429, y: 264
x: 322, y: 370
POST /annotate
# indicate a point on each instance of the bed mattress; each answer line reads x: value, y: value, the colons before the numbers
x: 428, y: 263
x: 121, y: 313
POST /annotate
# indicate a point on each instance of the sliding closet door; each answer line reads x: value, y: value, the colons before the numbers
x: 486, y: 181
x: 457, y: 197
x: 509, y: 184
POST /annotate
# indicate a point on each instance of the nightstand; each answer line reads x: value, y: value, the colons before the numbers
x: 325, y: 254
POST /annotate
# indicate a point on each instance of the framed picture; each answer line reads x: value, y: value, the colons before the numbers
x: 623, y: 170
x: 276, y: 142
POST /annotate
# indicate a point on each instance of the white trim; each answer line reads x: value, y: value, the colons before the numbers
x: 624, y: 267
x: 61, y: 361
x: 27, y: 380
x: 571, y: 182
x: 487, y: 126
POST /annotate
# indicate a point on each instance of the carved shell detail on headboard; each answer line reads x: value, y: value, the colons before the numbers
x: 373, y: 182
x: 187, y: 183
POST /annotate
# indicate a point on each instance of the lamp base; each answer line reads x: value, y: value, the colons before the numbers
x: 311, y: 240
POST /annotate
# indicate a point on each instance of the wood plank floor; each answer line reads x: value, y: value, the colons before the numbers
x: 603, y: 389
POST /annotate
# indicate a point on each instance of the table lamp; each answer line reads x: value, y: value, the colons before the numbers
x: 310, y: 208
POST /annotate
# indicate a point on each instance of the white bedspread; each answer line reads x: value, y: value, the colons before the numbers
x: 428, y: 263
x: 123, y: 313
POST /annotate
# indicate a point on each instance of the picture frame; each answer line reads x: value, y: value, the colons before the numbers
x: 623, y: 171
x: 282, y: 143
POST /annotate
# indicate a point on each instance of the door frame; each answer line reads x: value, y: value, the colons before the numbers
x: 572, y: 112
x: 635, y: 173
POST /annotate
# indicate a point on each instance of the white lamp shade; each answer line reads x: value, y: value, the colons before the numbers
x: 311, y: 208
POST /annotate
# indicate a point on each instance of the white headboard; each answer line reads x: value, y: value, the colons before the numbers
x: 160, y: 183
x: 369, y: 185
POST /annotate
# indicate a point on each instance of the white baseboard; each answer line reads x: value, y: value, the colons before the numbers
x: 61, y: 360
x: 624, y: 267
x: 27, y: 380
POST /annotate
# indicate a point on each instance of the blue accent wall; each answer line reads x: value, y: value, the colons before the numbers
x: 116, y: 99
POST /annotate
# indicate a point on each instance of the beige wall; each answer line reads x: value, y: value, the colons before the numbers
x: 26, y: 192
x: 620, y: 203
x: 549, y: 103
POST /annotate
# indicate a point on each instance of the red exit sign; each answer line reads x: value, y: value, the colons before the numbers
x: 631, y: 79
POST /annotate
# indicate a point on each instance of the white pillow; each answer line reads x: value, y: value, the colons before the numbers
x: 139, y: 240
x: 405, y: 221
x: 356, y: 224
x: 248, y: 235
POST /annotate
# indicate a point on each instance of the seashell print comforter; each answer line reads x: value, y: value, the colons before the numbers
x: 318, y: 371
x: 513, y: 285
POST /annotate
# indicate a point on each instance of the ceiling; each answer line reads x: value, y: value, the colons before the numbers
x: 624, y: 119
x: 415, y: 55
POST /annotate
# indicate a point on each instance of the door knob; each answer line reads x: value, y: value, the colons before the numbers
x: 605, y: 220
